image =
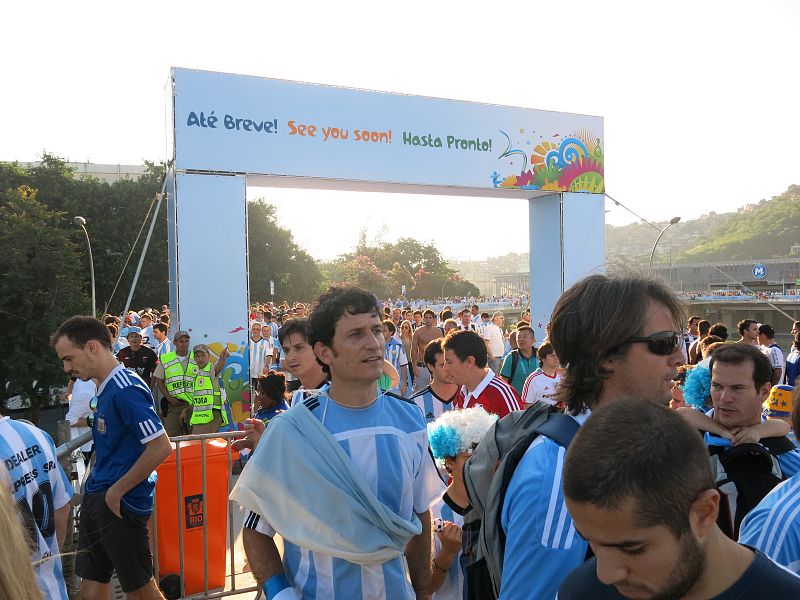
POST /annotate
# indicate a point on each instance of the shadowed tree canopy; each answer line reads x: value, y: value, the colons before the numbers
x: 385, y: 267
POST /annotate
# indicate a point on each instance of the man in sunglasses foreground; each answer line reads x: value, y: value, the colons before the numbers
x: 130, y: 442
x: 616, y: 334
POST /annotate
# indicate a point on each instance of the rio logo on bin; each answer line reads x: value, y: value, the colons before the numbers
x: 194, y: 511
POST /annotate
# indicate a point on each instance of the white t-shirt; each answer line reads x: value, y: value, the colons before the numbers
x: 494, y: 336
x: 775, y: 356
x: 82, y: 394
x: 540, y: 387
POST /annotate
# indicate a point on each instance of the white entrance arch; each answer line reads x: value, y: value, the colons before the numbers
x: 233, y: 131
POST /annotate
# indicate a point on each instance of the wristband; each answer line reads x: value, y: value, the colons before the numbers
x: 275, y: 585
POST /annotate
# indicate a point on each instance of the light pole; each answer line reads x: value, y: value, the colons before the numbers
x: 81, y: 222
x: 672, y: 222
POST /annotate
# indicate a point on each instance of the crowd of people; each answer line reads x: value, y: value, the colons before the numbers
x: 406, y: 452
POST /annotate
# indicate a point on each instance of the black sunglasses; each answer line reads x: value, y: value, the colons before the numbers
x: 662, y: 343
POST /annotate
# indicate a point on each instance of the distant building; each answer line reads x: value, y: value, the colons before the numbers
x: 109, y: 173
x: 782, y: 273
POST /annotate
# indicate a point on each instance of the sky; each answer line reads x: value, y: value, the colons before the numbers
x: 699, y: 99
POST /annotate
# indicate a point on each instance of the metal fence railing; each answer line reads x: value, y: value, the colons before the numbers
x: 67, y: 453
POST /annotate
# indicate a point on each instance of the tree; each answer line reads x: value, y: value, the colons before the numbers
x: 390, y: 266
x: 275, y: 256
x: 41, y: 278
x: 114, y: 214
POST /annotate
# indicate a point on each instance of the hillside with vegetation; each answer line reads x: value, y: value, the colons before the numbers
x: 767, y: 230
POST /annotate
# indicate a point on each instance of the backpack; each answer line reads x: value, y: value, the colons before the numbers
x: 743, y: 475
x: 486, y: 477
x: 514, y: 363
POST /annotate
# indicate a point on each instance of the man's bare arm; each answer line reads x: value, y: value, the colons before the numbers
x: 262, y: 555
x: 418, y: 556
x: 61, y: 518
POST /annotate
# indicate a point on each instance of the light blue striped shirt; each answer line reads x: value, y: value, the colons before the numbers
x: 396, y: 354
x: 39, y: 487
x: 430, y: 404
x: 388, y: 442
x: 774, y: 525
x: 542, y: 546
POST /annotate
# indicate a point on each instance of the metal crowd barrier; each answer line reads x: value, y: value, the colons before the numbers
x: 229, y: 437
x: 65, y: 453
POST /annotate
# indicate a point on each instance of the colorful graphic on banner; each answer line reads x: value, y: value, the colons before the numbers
x: 574, y: 164
x: 266, y: 126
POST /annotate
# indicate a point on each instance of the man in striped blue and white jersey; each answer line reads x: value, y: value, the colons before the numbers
x: 130, y: 442
x: 386, y: 439
x: 601, y: 329
x: 774, y: 525
x: 395, y: 354
x: 436, y: 398
x: 300, y: 361
x: 260, y: 352
x: 42, y: 492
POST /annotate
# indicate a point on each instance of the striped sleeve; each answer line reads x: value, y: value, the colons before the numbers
x: 507, y: 393
x: 529, y: 390
x: 774, y: 526
x: 134, y: 402
x: 539, y: 530
x: 790, y: 463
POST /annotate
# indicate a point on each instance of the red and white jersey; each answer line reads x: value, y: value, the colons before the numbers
x: 541, y: 387
x: 492, y: 393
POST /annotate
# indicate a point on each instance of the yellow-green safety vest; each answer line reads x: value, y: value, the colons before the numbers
x: 179, y: 383
x: 206, y: 398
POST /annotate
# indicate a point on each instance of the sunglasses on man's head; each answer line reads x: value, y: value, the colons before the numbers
x: 662, y: 343
x: 93, y: 408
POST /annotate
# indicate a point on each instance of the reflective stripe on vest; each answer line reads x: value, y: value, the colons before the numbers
x: 206, y: 398
x: 179, y: 383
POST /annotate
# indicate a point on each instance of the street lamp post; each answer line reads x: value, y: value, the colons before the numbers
x: 672, y: 222
x: 81, y: 222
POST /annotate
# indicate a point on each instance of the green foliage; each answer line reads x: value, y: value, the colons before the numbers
x: 40, y: 286
x: 384, y: 268
x: 114, y: 212
x: 274, y: 255
x: 767, y: 230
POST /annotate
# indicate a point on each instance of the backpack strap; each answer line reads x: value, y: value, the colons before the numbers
x: 514, y: 363
x: 560, y: 428
x: 778, y: 445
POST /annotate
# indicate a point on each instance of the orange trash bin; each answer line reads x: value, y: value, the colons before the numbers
x: 194, y: 512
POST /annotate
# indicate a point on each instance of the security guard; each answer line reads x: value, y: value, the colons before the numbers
x: 208, y: 412
x: 175, y: 379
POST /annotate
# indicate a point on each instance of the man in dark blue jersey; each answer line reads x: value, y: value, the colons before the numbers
x: 130, y: 442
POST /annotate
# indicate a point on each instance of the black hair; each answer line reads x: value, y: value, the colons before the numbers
x: 273, y: 386
x: 466, y: 343
x: 744, y: 324
x: 160, y: 327
x: 719, y: 330
x: 642, y: 453
x: 79, y: 330
x: 293, y: 326
x: 389, y: 324
x: 737, y: 354
x: 767, y: 330
x: 592, y: 323
x: 703, y: 326
x: 432, y: 350
x: 331, y: 307
x: 544, y: 351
